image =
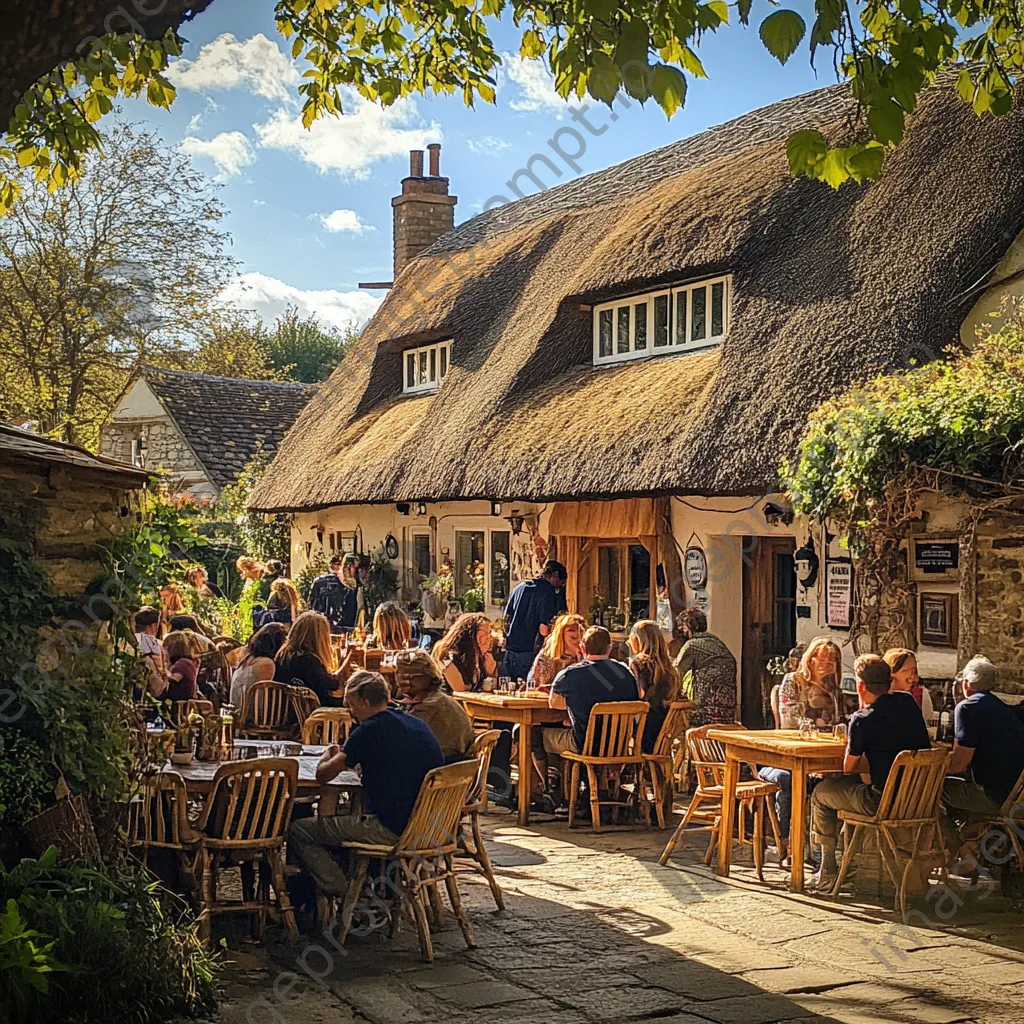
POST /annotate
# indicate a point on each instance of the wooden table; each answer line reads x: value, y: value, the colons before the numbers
x: 199, y: 776
x: 526, y: 712
x: 774, y: 748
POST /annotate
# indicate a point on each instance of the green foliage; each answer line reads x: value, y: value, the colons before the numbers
x: 963, y: 416
x: 25, y: 780
x: 600, y: 48
x: 381, y: 581
x: 302, y: 349
x: 263, y: 537
x: 122, y: 954
x: 26, y: 961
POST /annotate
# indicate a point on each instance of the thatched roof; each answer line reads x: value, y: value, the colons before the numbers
x: 829, y: 288
x: 226, y: 420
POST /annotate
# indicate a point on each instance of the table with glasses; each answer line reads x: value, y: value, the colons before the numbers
x: 199, y: 775
x: 525, y: 709
x: 775, y: 748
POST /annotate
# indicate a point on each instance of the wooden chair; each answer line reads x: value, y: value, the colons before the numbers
x: 326, y: 725
x: 976, y: 829
x: 476, y: 804
x: 423, y: 854
x: 245, y: 819
x: 612, y: 742
x: 213, y: 670
x: 304, y: 702
x: 773, y: 700
x: 906, y: 823
x: 707, y: 759
x: 265, y: 712
x: 372, y: 660
x: 658, y: 764
x: 181, y: 709
x: 158, y: 820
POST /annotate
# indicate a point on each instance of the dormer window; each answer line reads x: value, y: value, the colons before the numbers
x: 678, y: 319
x: 426, y: 367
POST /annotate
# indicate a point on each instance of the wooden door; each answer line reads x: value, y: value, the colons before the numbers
x: 769, y: 620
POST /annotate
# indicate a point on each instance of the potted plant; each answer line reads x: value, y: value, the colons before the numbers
x: 436, y: 590
x: 475, y: 597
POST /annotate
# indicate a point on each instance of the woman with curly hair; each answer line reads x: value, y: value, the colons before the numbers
x: 561, y: 649
x: 284, y: 602
x: 198, y: 579
x: 656, y: 676
x: 465, y: 652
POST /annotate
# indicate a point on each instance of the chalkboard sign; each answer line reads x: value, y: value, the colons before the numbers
x: 936, y: 557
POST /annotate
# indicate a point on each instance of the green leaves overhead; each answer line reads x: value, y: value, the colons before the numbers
x: 781, y: 33
x: 888, y: 50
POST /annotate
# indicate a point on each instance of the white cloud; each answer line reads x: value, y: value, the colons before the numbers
x: 230, y: 151
x: 350, y: 144
x: 345, y: 220
x: 257, y: 65
x: 535, y: 85
x: 194, y: 124
x: 269, y: 297
x: 488, y: 145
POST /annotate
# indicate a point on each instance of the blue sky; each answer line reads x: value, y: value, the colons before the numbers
x: 310, y: 212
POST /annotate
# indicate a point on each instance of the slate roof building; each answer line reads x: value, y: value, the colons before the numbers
x: 203, y: 429
x: 613, y: 368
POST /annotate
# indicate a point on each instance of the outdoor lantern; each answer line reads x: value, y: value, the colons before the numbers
x: 421, y: 508
x: 516, y: 522
x: 806, y: 564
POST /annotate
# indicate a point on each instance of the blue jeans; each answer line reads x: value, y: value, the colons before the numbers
x: 784, y: 798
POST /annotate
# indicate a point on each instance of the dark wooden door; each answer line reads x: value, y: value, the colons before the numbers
x: 769, y: 620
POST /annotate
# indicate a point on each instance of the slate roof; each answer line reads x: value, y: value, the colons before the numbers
x: 24, y: 446
x: 225, y: 420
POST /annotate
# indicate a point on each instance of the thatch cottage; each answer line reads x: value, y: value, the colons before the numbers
x: 613, y: 369
x: 200, y: 428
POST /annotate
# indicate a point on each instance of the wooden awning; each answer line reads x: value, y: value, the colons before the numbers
x: 623, y: 518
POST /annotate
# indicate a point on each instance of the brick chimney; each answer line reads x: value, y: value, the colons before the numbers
x: 424, y: 210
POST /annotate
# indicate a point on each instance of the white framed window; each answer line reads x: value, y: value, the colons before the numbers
x: 424, y: 368
x: 676, y: 319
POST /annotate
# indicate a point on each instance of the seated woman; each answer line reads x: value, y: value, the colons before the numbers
x: 465, y: 652
x: 307, y: 659
x: 283, y: 603
x: 561, y: 649
x: 197, y: 578
x: 707, y: 670
x: 181, y: 653
x: 257, y: 664
x: 421, y: 688
x: 812, y: 691
x: 905, y: 679
x: 392, y: 630
x: 656, y: 677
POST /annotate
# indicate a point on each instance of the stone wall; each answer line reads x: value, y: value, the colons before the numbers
x: 1000, y: 597
x: 165, y: 445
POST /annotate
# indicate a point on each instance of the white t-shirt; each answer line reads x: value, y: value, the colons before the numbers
x: 149, y: 645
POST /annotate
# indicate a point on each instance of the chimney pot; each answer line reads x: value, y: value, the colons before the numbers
x: 416, y: 163
x: 435, y: 159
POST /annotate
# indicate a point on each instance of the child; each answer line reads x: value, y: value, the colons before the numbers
x: 180, y: 651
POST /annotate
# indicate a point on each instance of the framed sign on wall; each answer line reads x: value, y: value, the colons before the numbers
x: 839, y: 593
x: 938, y: 619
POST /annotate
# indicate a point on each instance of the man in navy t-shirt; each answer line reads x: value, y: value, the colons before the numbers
x: 395, y: 752
x: 530, y: 609
x: 989, y: 741
x: 887, y: 724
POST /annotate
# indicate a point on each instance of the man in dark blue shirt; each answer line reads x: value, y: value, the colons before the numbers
x: 395, y: 752
x: 530, y: 609
x: 887, y: 724
x: 990, y: 741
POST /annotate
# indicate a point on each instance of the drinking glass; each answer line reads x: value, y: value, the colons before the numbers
x: 839, y: 730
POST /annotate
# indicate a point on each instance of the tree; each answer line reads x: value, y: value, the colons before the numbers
x: 303, y: 348
x: 234, y: 345
x: 122, y: 266
x: 888, y: 52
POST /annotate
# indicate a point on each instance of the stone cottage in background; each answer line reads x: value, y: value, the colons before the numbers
x: 202, y: 429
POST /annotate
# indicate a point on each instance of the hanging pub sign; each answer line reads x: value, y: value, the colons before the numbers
x: 696, y: 568
x: 936, y: 557
x: 839, y: 594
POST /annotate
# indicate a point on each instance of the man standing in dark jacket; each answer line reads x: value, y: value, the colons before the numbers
x: 528, y: 614
x: 337, y: 594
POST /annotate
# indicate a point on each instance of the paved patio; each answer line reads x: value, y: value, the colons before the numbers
x: 596, y: 931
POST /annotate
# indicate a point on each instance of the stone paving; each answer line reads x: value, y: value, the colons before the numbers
x: 596, y: 931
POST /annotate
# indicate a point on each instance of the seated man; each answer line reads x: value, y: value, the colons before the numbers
x: 989, y: 738
x: 396, y: 752
x: 579, y: 687
x: 886, y: 725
